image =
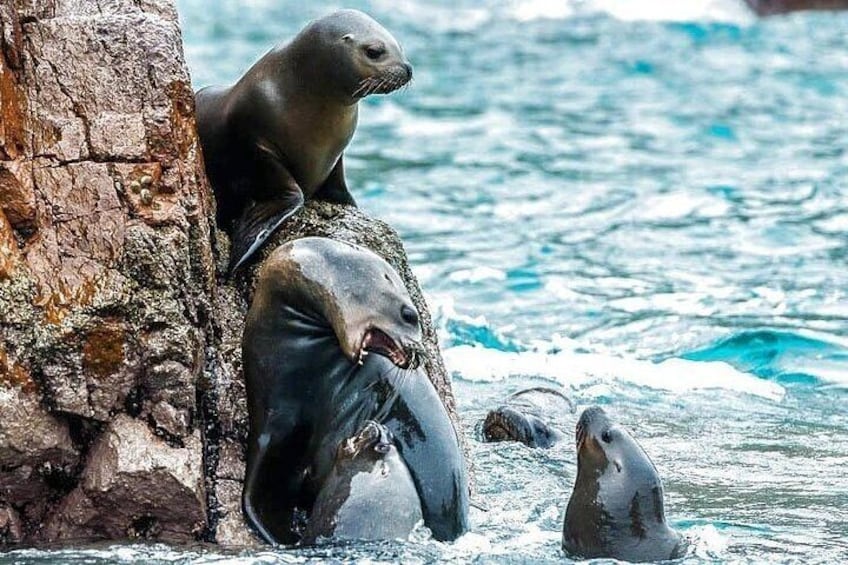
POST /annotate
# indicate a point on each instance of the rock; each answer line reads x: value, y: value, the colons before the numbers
x: 772, y: 7
x: 120, y: 335
x: 38, y: 460
x: 105, y: 297
x: 135, y: 486
x: 10, y: 526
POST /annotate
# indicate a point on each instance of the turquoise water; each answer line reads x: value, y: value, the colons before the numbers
x: 643, y: 204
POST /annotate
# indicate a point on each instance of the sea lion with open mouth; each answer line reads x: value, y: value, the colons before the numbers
x: 369, y: 494
x: 331, y: 341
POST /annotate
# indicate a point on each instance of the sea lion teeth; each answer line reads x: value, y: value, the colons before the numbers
x: 308, y: 385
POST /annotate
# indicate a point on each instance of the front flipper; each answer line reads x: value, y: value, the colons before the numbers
x: 334, y: 188
x: 258, y: 222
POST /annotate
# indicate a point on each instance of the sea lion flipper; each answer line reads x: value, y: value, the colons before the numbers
x: 258, y: 222
x: 251, y: 485
x: 334, y: 188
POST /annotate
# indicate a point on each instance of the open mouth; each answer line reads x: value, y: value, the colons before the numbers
x: 377, y: 341
x: 501, y: 425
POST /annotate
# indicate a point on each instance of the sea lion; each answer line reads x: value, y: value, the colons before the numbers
x: 523, y: 417
x: 319, y: 308
x: 616, y: 509
x: 369, y: 494
x: 276, y: 137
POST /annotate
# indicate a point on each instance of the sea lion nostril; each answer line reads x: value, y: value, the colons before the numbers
x: 409, y: 315
x: 408, y: 68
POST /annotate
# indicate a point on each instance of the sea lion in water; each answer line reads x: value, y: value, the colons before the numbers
x: 369, y: 494
x: 523, y: 417
x: 320, y: 307
x: 616, y: 509
x: 276, y: 137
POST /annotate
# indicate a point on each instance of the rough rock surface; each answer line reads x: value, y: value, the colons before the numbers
x: 107, y: 271
x: 121, y: 397
x: 773, y: 7
x: 133, y: 487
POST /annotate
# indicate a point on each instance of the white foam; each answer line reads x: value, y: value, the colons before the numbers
x: 477, y: 274
x: 730, y: 11
x: 528, y: 10
x: 575, y: 368
x: 708, y: 542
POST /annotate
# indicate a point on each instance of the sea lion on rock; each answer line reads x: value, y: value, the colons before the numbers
x: 276, y: 137
x: 523, y: 417
x: 320, y: 307
x: 369, y: 494
x: 616, y: 509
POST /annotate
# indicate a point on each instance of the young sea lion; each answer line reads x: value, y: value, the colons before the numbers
x: 616, y: 509
x: 320, y: 307
x: 524, y: 417
x: 276, y: 137
x: 369, y: 494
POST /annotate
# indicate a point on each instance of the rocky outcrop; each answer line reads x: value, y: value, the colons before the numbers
x: 107, y: 274
x: 122, y: 410
x: 773, y: 7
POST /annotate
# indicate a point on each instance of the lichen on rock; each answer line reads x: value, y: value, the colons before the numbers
x: 121, y: 394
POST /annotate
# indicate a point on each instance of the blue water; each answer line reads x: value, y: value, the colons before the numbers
x: 643, y: 203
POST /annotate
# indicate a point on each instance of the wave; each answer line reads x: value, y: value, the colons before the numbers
x: 577, y: 369
x: 787, y: 357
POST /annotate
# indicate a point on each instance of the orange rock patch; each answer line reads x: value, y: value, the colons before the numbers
x: 103, y: 350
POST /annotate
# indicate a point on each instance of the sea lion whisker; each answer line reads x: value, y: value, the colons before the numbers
x: 362, y: 85
x: 380, y: 85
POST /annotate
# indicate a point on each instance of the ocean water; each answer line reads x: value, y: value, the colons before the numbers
x: 644, y: 203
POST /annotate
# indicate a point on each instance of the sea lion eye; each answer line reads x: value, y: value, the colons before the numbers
x: 374, y: 52
x: 606, y: 436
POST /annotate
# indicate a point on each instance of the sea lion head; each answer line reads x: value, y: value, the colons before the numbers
x: 616, y: 509
x: 365, y: 58
x: 374, y: 441
x: 524, y: 415
x: 357, y: 293
x: 508, y: 424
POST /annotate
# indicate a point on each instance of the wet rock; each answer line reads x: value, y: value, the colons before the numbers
x: 135, y: 486
x: 38, y: 459
x: 10, y: 526
x: 772, y: 7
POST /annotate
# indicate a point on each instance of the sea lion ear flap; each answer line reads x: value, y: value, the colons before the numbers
x: 348, y: 38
